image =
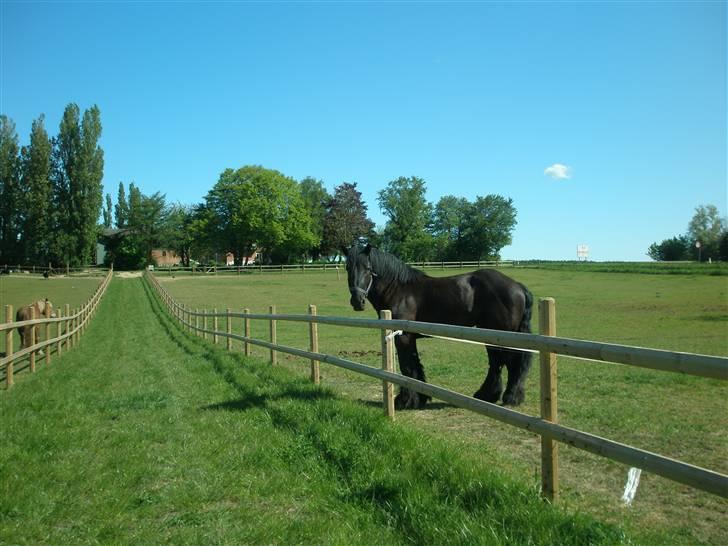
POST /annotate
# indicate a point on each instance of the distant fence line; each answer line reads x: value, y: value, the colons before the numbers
x: 303, y: 268
x: 19, y: 269
x: 70, y: 325
x: 546, y: 343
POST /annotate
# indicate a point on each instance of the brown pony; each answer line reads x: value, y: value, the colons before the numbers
x: 24, y: 313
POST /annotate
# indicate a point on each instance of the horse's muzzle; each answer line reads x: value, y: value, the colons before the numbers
x: 358, y: 302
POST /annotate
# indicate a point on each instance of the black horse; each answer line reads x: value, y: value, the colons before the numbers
x: 485, y: 298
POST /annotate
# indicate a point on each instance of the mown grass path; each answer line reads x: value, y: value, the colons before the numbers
x: 143, y: 435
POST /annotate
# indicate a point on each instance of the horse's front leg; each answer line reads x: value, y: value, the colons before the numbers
x: 410, y: 366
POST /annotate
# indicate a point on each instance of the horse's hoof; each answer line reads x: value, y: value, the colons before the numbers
x: 514, y: 398
x: 492, y: 397
x: 410, y: 401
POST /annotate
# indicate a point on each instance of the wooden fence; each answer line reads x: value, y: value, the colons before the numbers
x: 69, y: 328
x: 546, y: 343
x: 303, y: 268
x: 18, y: 269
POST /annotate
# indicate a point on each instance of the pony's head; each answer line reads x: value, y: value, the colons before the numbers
x: 42, y: 305
x: 360, y: 274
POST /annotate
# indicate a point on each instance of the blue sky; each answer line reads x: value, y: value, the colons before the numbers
x: 627, y: 99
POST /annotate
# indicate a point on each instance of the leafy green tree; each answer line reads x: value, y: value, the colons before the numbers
x: 179, y: 231
x: 723, y: 247
x: 147, y: 227
x: 121, y: 209
x: 77, y: 175
x: 346, y: 219
x: 670, y: 250
x: 706, y: 226
x: 150, y: 228
x: 10, y: 192
x: 37, y: 227
x: 407, y: 232
x: 315, y: 198
x: 108, y: 220
x: 488, y: 227
x: 253, y: 207
x: 448, y: 226
x: 202, y: 232
x: 134, y: 206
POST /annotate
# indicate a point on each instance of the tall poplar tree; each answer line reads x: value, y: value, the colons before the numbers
x: 38, y: 194
x: 78, y: 171
x: 121, y: 209
x: 10, y: 193
x: 108, y: 214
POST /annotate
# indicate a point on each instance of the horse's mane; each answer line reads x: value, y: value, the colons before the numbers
x: 389, y: 266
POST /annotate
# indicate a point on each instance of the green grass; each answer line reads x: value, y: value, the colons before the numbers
x: 652, y: 268
x: 674, y: 415
x: 144, y: 435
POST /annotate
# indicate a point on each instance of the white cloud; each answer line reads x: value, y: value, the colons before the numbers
x: 557, y: 171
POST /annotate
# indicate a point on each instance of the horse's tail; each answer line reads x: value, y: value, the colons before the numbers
x: 525, y: 325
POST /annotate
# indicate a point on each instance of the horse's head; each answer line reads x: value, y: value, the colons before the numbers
x: 42, y: 305
x: 361, y: 276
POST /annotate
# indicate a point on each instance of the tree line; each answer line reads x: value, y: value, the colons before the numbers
x: 51, y: 201
x: 257, y: 209
x: 51, y: 191
x: 706, y: 238
x: 52, y: 210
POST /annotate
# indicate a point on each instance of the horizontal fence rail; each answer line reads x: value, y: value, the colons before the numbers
x: 698, y: 365
x: 715, y: 367
x: 19, y: 269
x: 69, y: 327
x: 303, y: 268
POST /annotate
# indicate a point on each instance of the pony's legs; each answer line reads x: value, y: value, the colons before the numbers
x: 410, y: 366
x: 518, y: 364
x: 492, y: 387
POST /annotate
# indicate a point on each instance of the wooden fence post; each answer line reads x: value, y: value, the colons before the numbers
x: 197, y: 322
x: 76, y: 333
x: 204, y: 324
x: 32, y: 339
x: 313, y: 335
x: 549, y: 447
x: 9, y: 347
x: 229, y: 330
x: 59, y: 333
x: 246, y: 332
x: 214, y: 326
x: 387, y: 365
x: 67, y: 326
x: 273, y: 337
x: 48, y: 349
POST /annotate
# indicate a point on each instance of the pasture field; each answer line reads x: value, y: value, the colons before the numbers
x: 145, y: 435
x: 18, y: 290
x: 679, y: 416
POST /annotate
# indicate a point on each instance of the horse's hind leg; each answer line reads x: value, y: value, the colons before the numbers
x: 518, y: 364
x: 410, y: 366
x: 492, y: 387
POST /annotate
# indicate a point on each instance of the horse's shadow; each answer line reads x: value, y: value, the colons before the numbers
x: 432, y: 406
x: 252, y: 400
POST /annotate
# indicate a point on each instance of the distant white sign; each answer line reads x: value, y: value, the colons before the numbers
x: 582, y: 252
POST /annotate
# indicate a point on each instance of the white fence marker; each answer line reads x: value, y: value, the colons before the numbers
x: 630, y: 489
